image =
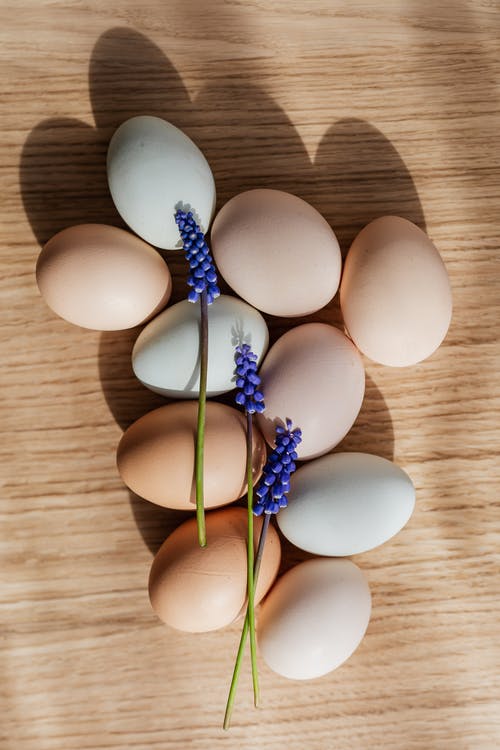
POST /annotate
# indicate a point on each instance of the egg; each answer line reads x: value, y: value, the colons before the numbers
x: 314, y: 376
x: 314, y: 618
x: 395, y: 293
x: 101, y: 277
x: 166, y: 354
x: 154, y: 169
x: 156, y: 455
x: 346, y: 503
x: 277, y: 252
x: 199, y: 589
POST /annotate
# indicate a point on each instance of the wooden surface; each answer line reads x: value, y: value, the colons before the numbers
x: 362, y: 108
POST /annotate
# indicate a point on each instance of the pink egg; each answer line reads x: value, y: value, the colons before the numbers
x: 277, y: 252
x: 314, y: 376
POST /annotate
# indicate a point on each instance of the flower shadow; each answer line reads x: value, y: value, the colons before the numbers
x: 357, y: 175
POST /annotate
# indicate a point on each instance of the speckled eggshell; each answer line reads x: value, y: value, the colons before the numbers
x: 346, y: 503
x: 314, y: 618
x: 166, y: 354
x: 277, y: 252
x: 314, y: 376
x: 102, y: 277
x: 395, y: 293
x: 197, y: 590
x: 156, y: 455
x: 153, y: 169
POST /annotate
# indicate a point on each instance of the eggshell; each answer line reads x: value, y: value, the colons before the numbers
x: 314, y: 376
x: 153, y: 169
x: 346, y: 503
x: 314, y: 618
x: 197, y: 590
x: 395, y: 293
x: 277, y: 252
x: 166, y: 356
x: 102, y: 277
x: 156, y: 455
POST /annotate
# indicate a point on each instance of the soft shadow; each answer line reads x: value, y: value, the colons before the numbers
x: 125, y: 396
x: 372, y: 431
x: 154, y: 522
x: 357, y: 175
x: 62, y: 176
x: 361, y: 176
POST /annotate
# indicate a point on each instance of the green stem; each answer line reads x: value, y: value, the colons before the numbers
x: 250, y: 564
x: 200, y: 431
x: 244, y: 632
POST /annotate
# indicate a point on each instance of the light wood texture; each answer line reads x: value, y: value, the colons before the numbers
x: 362, y: 108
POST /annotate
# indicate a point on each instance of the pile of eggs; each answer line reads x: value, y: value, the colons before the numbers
x: 282, y: 258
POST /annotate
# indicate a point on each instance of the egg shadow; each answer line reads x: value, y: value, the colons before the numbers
x: 362, y: 176
x: 154, y: 522
x: 357, y: 174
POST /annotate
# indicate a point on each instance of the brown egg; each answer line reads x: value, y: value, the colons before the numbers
x: 156, y: 455
x: 395, y: 293
x: 199, y: 589
x: 102, y: 277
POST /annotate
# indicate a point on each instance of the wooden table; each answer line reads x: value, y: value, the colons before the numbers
x: 363, y: 109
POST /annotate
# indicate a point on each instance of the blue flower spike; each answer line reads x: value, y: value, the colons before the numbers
x: 203, y: 276
x: 203, y: 282
x: 249, y: 395
x: 274, y: 485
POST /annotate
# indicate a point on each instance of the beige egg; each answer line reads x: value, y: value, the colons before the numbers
x: 156, y: 455
x: 314, y: 376
x: 395, y: 293
x: 314, y: 618
x: 101, y: 277
x: 277, y: 252
x: 199, y: 589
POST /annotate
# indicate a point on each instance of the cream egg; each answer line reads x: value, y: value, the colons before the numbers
x: 198, y: 589
x: 314, y: 618
x: 277, y: 252
x: 153, y: 169
x: 166, y: 355
x: 101, y: 277
x: 346, y: 503
x: 156, y: 455
x: 314, y: 376
x: 395, y: 293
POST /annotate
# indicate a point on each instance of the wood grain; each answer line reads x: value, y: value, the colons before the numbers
x: 362, y: 108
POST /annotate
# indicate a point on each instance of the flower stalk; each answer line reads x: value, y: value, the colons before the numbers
x: 200, y: 429
x: 250, y: 562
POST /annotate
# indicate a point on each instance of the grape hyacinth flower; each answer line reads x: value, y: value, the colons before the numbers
x: 272, y: 491
x: 203, y: 282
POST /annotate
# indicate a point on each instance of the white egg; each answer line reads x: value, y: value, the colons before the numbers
x: 165, y: 357
x: 346, y: 503
x: 314, y: 618
x: 153, y: 169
